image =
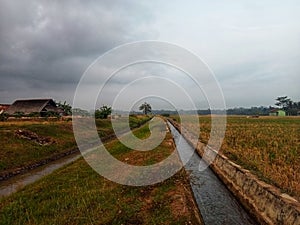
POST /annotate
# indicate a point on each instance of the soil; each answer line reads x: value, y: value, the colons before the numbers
x: 29, y: 135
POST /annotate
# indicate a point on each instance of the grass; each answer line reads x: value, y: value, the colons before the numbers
x: 76, y: 194
x: 268, y: 146
x: 17, y: 152
x: 142, y: 158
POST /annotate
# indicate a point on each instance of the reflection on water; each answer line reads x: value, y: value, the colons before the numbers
x: 216, y: 203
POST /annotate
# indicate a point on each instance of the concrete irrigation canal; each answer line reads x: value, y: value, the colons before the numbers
x: 216, y: 204
x: 216, y: 198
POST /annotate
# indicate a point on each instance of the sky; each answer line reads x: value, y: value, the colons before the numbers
x: 252, y: 47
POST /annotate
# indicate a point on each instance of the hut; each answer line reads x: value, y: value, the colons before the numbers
x: 34, y: 106
x: 277, y: 112
x: 3, y: 108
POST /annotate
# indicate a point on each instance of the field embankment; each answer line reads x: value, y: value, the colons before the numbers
x: 28, y: 144
x: 76, y: 194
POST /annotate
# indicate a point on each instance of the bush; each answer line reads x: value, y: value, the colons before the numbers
x: 34, y: 114
x: 18, y: 114
x: 3, y: 116
x: 51, y: 114
x: 103, y: 112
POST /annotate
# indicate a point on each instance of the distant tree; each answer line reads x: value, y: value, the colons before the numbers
x: 80, y: 112
x: 146, y: 108
x: 283, y: 102
x: 65, y: 107
x: 292, y: 108
x: 103, y: 112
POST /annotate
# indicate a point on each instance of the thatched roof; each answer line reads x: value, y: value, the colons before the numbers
x: 32, y: 105
x: 4, y: 106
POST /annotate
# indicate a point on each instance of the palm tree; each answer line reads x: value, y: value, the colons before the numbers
x: 146, y: 108
x: 103, y: 112
x: 65, y: 107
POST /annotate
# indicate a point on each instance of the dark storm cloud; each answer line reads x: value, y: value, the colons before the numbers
x: 45, y: 46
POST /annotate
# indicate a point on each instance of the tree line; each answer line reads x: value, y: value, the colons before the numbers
x: 290, y: 107
x: 282, y: 102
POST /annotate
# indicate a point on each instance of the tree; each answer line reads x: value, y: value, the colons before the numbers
x: 80, y: 112
x: 292, y: 108
x: 103, y: 112
x: 65, y: 107
x: 283, y: 102
x: 146, y: 108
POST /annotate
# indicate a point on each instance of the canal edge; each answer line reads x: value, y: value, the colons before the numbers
x: 188, y: 189
x: 263, y: 201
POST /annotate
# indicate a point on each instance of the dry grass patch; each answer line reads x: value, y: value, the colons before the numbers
x: 268, y: 146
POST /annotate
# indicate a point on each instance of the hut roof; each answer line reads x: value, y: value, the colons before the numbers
x: 32, y: 105
x: 4, y: 106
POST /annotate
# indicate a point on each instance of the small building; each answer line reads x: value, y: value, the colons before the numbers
x: 277, y: 112
x: 29, y: 106
x: 3, y: 108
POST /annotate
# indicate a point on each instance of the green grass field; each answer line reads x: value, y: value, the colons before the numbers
x: 76, y: 194
x: 17, y: 152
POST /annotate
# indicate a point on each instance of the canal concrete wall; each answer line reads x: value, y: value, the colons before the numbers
x: 263, y: 201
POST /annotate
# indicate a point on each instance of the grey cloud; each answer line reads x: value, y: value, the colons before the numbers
x: 45, y: 45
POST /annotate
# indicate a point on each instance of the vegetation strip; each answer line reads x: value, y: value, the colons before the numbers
x: 262, y: 200
x: 16, y: 171
x: 76, y: 194
x: 105, y: 133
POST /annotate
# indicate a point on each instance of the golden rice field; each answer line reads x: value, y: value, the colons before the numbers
x: 268, y: 146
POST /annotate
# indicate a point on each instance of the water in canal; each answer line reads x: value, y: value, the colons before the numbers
x: 216, y: 203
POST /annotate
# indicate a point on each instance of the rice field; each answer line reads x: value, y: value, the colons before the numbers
x: 267, y: 146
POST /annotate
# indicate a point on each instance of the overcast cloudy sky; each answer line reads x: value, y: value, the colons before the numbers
x: 252, y: 46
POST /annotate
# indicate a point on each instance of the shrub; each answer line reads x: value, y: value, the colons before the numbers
x: 18, y: 114
x: 34, y: 114
x: 3, y: 116
x: 51, y: 114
